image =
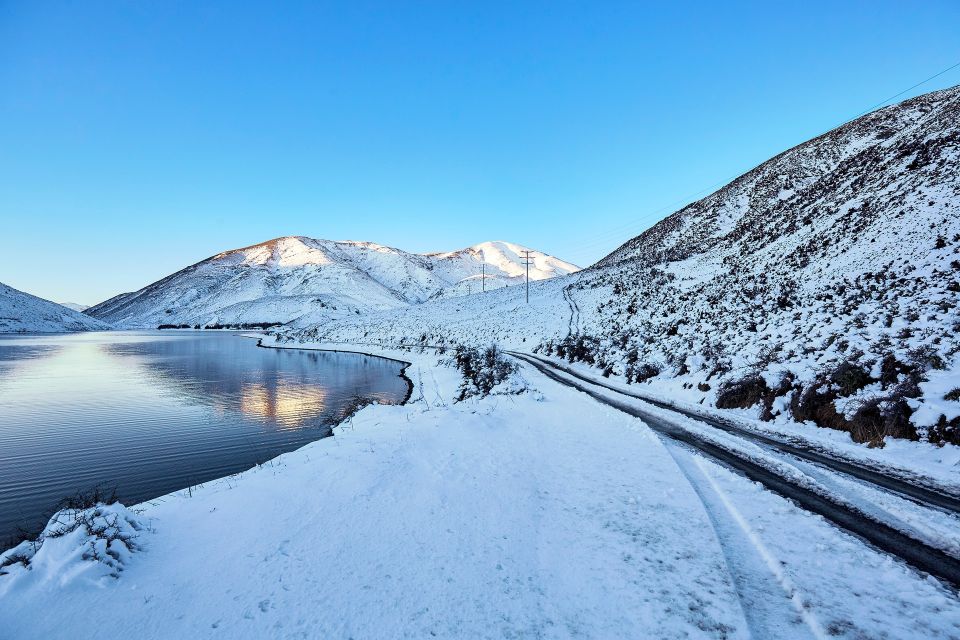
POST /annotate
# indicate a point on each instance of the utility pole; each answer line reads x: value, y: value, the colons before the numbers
x: 526, y: 261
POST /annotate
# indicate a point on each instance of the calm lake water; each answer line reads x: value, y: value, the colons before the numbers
x: 149, y: 413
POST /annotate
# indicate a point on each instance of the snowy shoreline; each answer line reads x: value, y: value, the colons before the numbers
x: 543, y: 513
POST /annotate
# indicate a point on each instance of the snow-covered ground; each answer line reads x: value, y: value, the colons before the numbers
x: 23, y: 313
x: 538, y: 514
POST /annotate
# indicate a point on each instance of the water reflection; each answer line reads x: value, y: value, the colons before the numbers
x: 151, y: 413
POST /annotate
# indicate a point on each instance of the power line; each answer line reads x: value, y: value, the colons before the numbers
x: 897, y: 95
x: 616, y: 232
x: 526, y: 260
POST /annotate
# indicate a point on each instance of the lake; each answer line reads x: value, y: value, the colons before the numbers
x: 148, y: 413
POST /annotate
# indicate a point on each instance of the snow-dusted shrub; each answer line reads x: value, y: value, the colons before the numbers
x: 945, y: 431
x: 642, y: 372
x: 850, y: 378
x: 742, y: 393
x: 482, y: 370
x: 877, y: 418
x: 579, y: 348
x: 104, y: 535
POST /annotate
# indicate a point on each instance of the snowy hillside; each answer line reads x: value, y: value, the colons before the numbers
x: 75, y: 306
x: 301, y: 280
x: 822, y: 286
x: 23, y: 313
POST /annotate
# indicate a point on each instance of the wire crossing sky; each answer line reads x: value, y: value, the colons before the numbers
x: 138, y: 138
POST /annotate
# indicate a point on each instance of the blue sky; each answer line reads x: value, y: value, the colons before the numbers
x: 139, y: 137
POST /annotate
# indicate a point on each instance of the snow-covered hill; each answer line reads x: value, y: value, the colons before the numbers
x: 821, y: 286
x: 75, y: 306
x: 23, y: 313
x: 298, y: 279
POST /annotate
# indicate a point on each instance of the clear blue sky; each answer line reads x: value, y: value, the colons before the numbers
x: 139, y: 137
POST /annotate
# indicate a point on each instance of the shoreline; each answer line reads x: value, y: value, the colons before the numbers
x: 403, y: 370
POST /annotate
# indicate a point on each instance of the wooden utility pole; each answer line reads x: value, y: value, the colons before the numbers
x: 526, y: 261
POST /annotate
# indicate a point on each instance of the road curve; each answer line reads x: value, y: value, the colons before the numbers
x: 912, y: 551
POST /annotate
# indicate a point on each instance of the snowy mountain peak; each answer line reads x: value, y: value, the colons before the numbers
x: 509, y: 259
x: 297, y: 278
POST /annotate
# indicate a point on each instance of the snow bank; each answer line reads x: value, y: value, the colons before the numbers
x: 76, y: 545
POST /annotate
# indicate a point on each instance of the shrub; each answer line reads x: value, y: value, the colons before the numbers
x: 891, y: 368
x: 953, y: 394
x: 926, y: 357
x: 742, y: 393
x: 481, y: 370
x: 850, y: 378
x: 878, y: 418
x: 103, y: 533
x: 816, y: 405
x: 641, y: 373
x: 579, y: 348
x: 945, y: 431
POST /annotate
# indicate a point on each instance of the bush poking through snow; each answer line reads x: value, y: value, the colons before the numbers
x: 743, y: 393
x: 102, y: 534
x: 481, y: 370
x: 945, y: 431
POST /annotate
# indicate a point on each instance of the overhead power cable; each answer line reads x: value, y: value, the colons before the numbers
x: 607, y: 236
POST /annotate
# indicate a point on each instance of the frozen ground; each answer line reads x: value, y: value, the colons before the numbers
x: 542, y: 514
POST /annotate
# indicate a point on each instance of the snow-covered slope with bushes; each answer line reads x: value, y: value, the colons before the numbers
x: 298, y: 279
x: 821, y: 286
x: 23, y: 313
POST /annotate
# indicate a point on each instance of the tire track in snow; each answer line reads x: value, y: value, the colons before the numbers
x: 920, y: 494
x: 574, y: 321
x: 881, y: 535
x: 755, y: 571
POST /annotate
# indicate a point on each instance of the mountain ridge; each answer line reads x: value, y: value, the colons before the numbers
x: 296, y: 278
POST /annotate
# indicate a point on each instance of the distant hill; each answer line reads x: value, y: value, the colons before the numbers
x: 298, y: 279
x: 23, y: 313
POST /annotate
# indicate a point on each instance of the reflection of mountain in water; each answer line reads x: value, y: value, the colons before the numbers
x: 286, y: 388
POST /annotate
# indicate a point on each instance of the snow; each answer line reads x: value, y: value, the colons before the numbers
x: 23, y: 313
x: 491, y: 518
x: 303, y: 281
x: 75, y: 306
x: 934, y: 392
x: 539, y: 514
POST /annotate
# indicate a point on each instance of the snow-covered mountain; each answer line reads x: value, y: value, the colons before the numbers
x: 75, y: 306
x: 23, y: 313
x: 823, y: 285
x: 298, y: 279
